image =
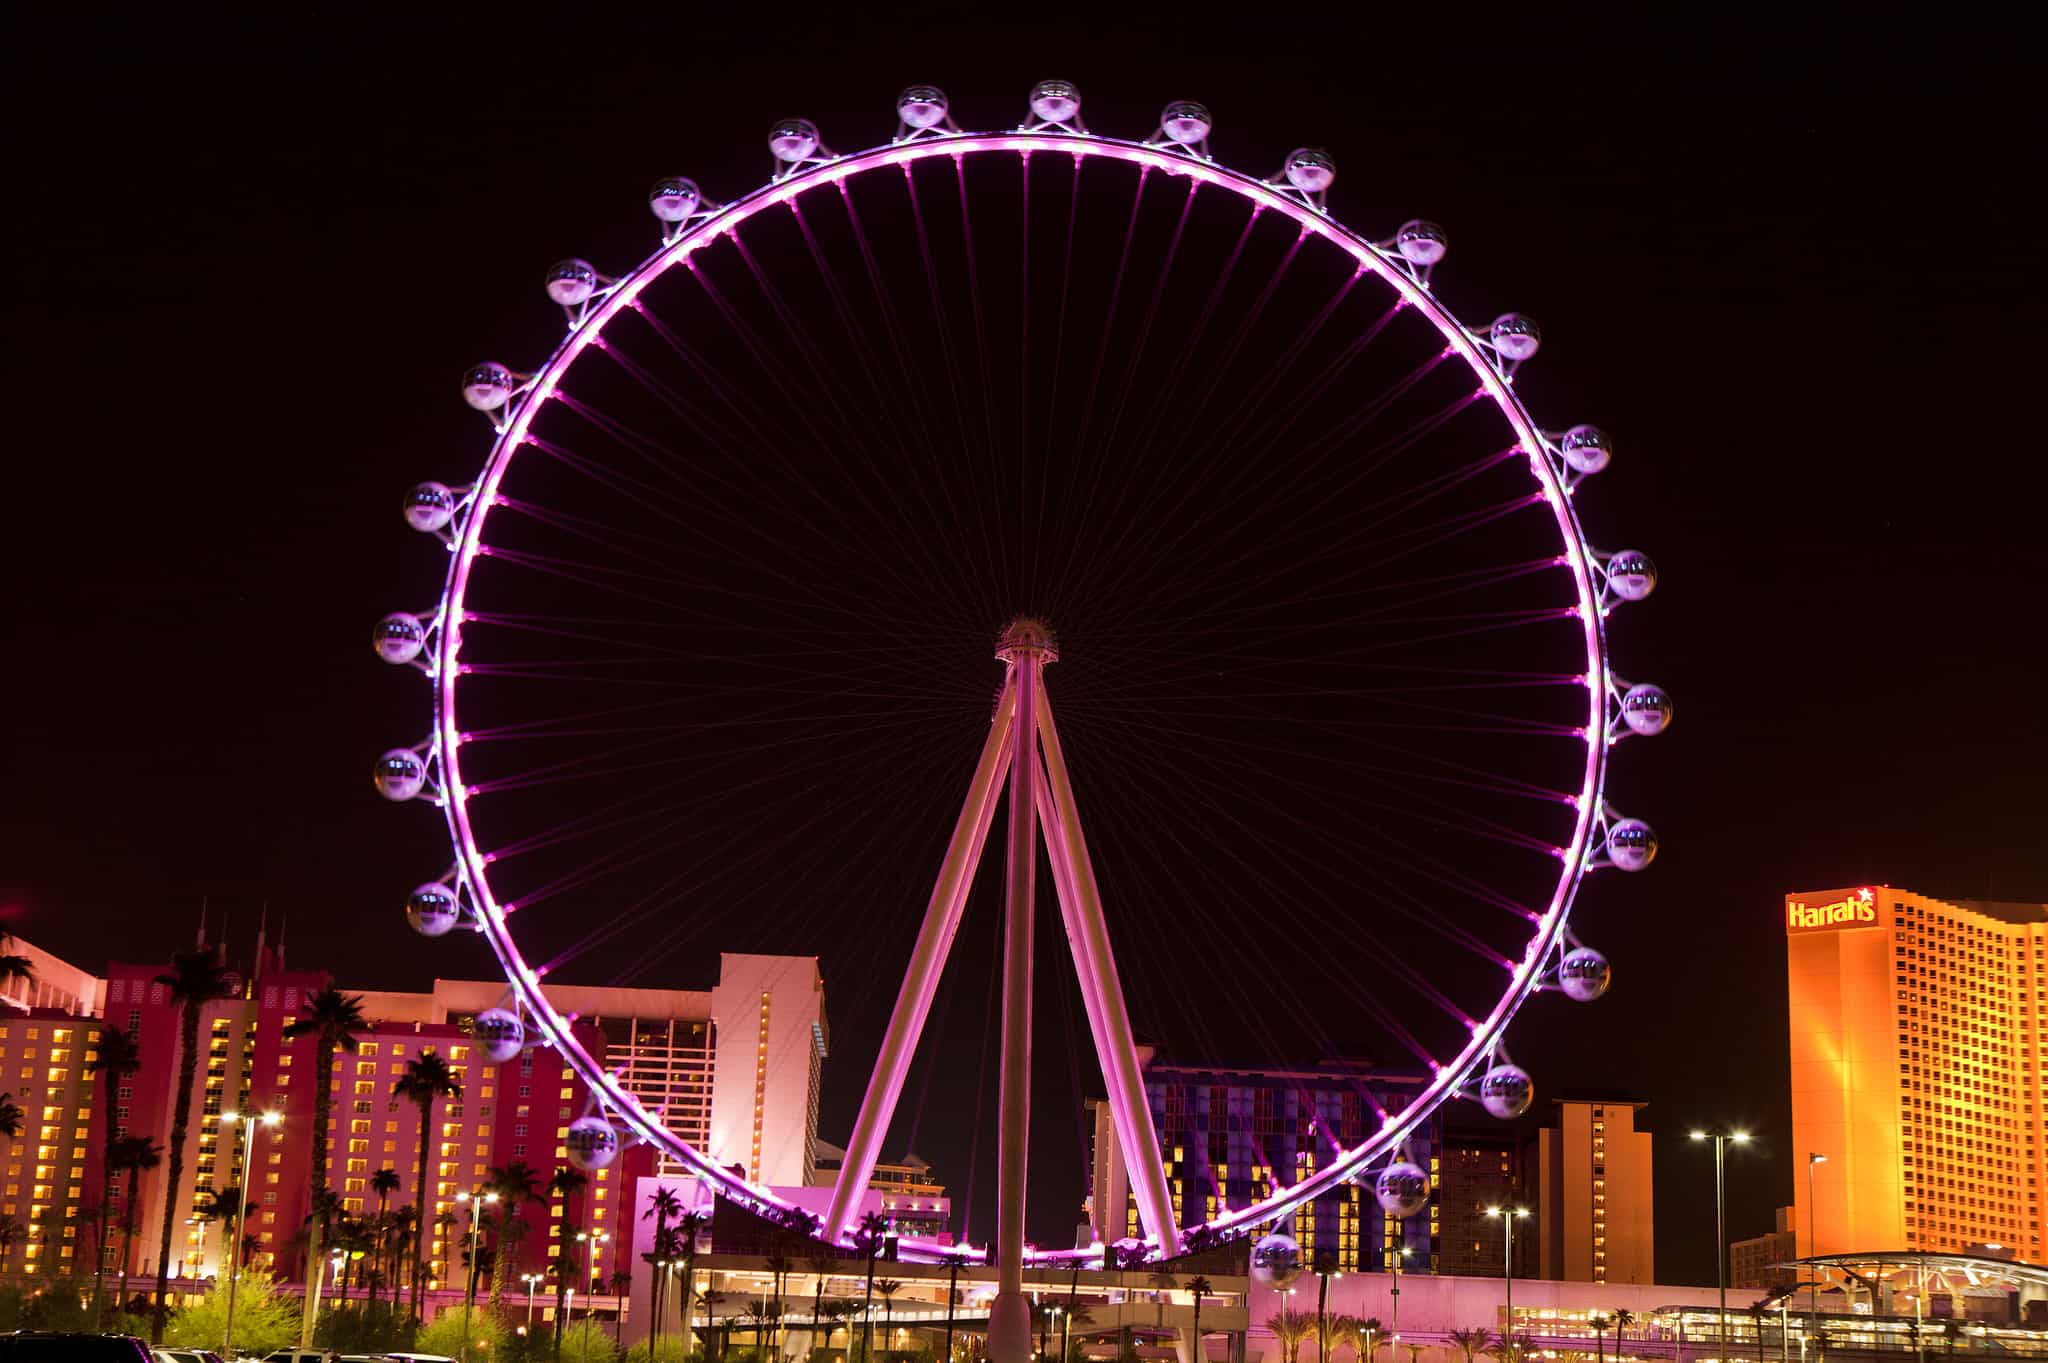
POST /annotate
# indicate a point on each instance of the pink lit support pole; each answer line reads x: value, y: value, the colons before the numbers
x: 1114, y: 1046
x: 927, y: 962
x: 1026, y: 648
x: 1133, y: 1119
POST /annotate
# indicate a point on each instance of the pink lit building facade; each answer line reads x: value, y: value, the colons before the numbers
x: 764, y: 1020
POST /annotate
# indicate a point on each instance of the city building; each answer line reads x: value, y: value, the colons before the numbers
x: 53, y: 1166
x: 755, y: 1041
x: 1749, y: 1261
x: 735, y: 1070
x: 246, y: 1064
x: 904, y: 1190
x: 1231, y: 1135
x: 51, y: 983
x: 1476, y: 1168
x: 1595, y: 1208
x: 1918, y: 1057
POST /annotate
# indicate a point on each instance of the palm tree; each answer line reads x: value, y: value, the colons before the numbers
x: 516, y: 1184
x: 1469, y: 1342
x: 404, y: 1261
x: 1600, y: 1321
x: 888, y: 1287
x: 384, y: 1183
x: 757, y: 1312
x: 661, y: 1209
x: 332, y: 1019
x: 10, y: 1117
x: 1509, y: 1348
x: 427, y: 1079
x: 12, y: 1233
x: 1161, y: 1282
x: 132, y: 1155
x: 567, y: 1266
x: 1290, y: 1328
x: 873, y: 1226
x: 115, y: 1057
x: 195, y: 978
x: 444, y: 1231
x: 219, y: 1204
x: 622, y: 1283
x: 779, y: 1268
x: 820, y: 1265
x: 1199, y: 1287
x: 566, y: 1182
x: 688, y: 1227
x: 14, y: 966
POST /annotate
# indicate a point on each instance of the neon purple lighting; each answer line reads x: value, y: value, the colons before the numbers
x: 1447, y: 1077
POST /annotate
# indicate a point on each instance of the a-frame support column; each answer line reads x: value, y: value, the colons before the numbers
x: 1101, y: 989
x: 927, y: 962
x: 1026, y: 647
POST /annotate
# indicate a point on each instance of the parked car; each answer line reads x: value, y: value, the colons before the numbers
x: 186, y: 1356
x: 301, y: 1356
x: 44, y: 1346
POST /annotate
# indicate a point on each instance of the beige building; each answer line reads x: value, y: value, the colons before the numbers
x: 1749, y: 1261
x: 734, y: 1070
x: 1593, y: 1192
x: 1918, y: 1059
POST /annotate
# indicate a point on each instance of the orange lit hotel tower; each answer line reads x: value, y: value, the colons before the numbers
x: 1919, y: 1057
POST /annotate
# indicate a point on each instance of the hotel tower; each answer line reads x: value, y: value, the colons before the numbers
x: 1919, y: 1071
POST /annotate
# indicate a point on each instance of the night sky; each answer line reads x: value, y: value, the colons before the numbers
x: 1785, y: 265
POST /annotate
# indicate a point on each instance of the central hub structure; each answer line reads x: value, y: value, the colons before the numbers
x: 1028, y: 638
x: 1022, y: 752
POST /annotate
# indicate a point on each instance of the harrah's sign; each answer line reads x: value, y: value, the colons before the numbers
x: 1857, y: 910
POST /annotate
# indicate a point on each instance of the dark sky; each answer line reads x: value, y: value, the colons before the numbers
x: 1785, y: 264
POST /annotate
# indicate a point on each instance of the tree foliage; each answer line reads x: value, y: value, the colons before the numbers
x: 443, y: 1335
x: 264, y: 1319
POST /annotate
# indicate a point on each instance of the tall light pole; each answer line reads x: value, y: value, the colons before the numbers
x: 1324, y: 1266
x: 1721, y: 1141
x: 589, y: 1242
x: 530, y: 1279
x: 1507, y: 1217
x: 199, y: 1259
x: 1394, y: 1258
x: 1812, y: 1240
x: 234, y: 1245
x: 475, y: 1202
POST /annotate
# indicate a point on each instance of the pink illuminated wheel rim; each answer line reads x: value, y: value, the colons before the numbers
x: 487, y: 522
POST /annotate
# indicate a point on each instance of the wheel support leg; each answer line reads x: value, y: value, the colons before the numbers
x: 927, y: 962
x: 1108, y: 1018
x: 1009, y: 1324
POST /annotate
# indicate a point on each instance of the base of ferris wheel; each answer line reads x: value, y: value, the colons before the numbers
x: 1022, y: 753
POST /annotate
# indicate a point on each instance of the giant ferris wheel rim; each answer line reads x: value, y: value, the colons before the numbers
x: 1450, y: 1077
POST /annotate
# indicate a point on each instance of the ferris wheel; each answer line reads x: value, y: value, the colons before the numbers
x: 743, y: 543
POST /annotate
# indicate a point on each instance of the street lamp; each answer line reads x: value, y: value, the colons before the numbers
x: 474, y: 1201
x: 1324, y: 1266
x: 530, y: 1279
x: 234, y: 1247
x: 1721, y: 1142
x: 1394, y: 1258
x: 1508, y: 1216
x: 589, y: 1240
x: 199, y: 1255
x: 1812, y: 1240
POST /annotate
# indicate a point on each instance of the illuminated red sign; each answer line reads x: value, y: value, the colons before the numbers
x: 1858, y: 910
